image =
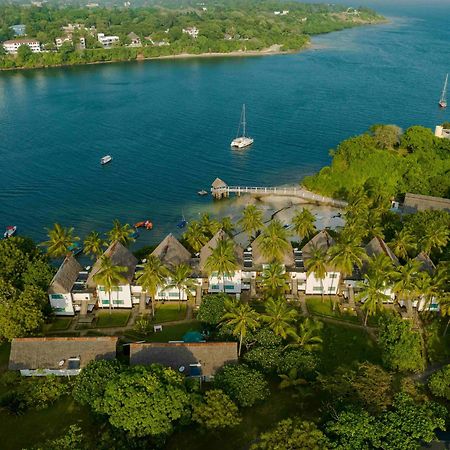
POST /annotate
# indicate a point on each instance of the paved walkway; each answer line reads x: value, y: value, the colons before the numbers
x: 303, y: 305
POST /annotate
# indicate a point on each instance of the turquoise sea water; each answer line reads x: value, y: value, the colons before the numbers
x: 168, y: 124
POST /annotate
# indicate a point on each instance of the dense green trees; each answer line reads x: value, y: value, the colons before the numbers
x: 420, y: 163
x: 212, y: 309
x: 439, y: 383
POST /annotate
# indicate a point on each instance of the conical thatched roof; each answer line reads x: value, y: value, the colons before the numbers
x: 171, y: 252
x: 259, y: 258
x: 66, y: 276
x: 120, y: 256
x: 207, y: 249
x: 321, y: 240
x: 426, y: 264
x: 377, y: 247
x: 218, y: 183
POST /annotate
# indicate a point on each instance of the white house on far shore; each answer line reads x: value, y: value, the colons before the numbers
x: 12, y: 46
x: 107, y: 41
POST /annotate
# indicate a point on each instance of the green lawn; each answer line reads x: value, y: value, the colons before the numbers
x: 169, y: 333
x: 105, y: 319
x: 319, y: 307
x: 344, y: 345
x: 58, y: 324
x: 169, y: 312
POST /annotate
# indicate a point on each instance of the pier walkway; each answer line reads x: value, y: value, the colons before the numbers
x: 220, y: 189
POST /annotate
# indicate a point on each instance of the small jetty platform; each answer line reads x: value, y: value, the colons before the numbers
x: 220, y: 189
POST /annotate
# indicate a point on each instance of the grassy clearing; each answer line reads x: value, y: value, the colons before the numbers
x: 111, y: 320
x: 344, y: 345
x: 169, y: 333
x: 169, y: 312
x: 58, y: 324
x: 319, y: 307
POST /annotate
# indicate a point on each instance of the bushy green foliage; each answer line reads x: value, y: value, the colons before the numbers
x: 212, y: 309
x: 401, y: 346
x: 292, y: 434
x: 244, y: 385
x: 266, y: 359
x: 439, y: 383
x: 226, y: 27
x: 216, y: 411
x: 72, y: 439
x: 420, y: 164
x: 303, y: 361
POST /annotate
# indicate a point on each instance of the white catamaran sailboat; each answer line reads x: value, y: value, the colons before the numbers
x: 242, y: 141
x: 443, y: 100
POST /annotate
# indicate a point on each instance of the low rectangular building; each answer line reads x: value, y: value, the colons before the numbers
x: 61, y: 356
x: 199, y: 360
x: 107, y: 41
x: 12, y: 46
x: 416, y: 202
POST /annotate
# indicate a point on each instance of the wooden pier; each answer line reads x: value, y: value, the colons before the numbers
x: 219, y: 189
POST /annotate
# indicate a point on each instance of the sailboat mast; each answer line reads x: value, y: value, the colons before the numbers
x: 243, y: 120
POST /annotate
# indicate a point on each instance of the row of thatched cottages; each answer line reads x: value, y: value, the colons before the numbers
x: 73, y: 288
x: 67, y: 356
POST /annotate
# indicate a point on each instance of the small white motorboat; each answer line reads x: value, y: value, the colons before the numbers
x: 10, y: 231
x: 105, y: 160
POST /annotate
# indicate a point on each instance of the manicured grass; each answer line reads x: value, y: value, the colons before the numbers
x: 105, y: 319
x: 4, y: 356
x: 169, y: 333
x: 319, y: 307
x: 344, y: 345
x: 58, y: 324
x: 35, y: 427
x: 169, y: 312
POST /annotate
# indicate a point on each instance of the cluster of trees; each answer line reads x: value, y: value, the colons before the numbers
x: 223, y: 28
x: 24, y: 278
x: 388, y: 160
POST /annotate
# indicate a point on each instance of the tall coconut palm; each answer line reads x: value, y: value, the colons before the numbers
x: 316, y: 264
x: 110, y: 276
x: 60, y: 240
x: 403, y: 244
x: 274, y: 279
x: 209, y: 226
x: 274, y: 242
x: 93, y: 245
x: 152, y: 277
x: 222, y: 260
x: 121, y: 233
x: 372, y: 294
x: 435, y: 238
x: 291, y: 380
x: 406, y: 283
x: 279, y: 317
x: 303, y: 224
x: 241, y: 317
x: 180, y: 278
x: 346, y: 254
x: 251, y: 220
x: 444, y: 306
x: 381, y: 266
x: 227, y: 225
x: 195, y: 236
x: 307, y: 335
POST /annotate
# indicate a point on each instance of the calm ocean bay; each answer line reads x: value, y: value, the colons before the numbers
x: 168, y: 123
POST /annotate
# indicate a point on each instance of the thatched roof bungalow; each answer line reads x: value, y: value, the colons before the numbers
x: 259, y: 258
x: 171, y: 252
x: 377, y: 247
x: 208, y: 248
x: 65, y: 277
x: 426, y: 265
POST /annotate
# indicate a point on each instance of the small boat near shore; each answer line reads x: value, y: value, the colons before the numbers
x: 242, y: 141
x: 443, y: 99
x: 75, y: 248
x: 202, y: 192
x: 182, y: 223
x: 105, y: 160
x: 147, y: 224
x: 10, y: 231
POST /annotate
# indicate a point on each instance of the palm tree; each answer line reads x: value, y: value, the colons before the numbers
x: 60, y: 240
x: 251, y: 220
x: 346, y: 254
x: 241, y: 317
x: 152, y: 277
x: 372, y: 293
x: 274, y: 279
x: 222, y: 260
x: 180, y: 278
x: 307, y: 335
x: 110, y: 276
x: 93, y: 244
x: 435, y: 237
x: 316, y: 264
x: 279, y: 317
x: 195, y: 236
x: 227, y: 226
x: 406, y: 283
x: 403, y: 244
x: 304, y: 223
x: 274, y: 242
x: 291, y: 379
x: 209, y: 226
x: 444, y: 305
x: 121, y: 233
x: 381, y: 266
